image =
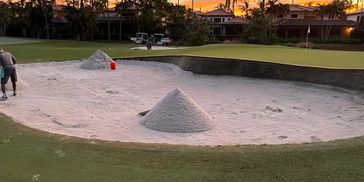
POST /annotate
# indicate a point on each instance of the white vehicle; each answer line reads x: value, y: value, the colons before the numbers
x: 161, y: 39
x: 140, y: 38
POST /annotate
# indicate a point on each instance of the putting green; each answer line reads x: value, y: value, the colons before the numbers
x: 55, y: 50
x: 31, y: 155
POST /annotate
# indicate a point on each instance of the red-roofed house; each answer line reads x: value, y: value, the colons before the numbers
x: 295, y: 24
x: 224, y: 24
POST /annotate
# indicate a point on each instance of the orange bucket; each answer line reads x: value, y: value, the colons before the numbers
x: 113, y: 65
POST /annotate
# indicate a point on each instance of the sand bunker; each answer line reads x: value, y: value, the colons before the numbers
x: 157, y: 48
x: 98, y: 60
x: 177, y: 113
x: 20, y: 85
x: 62, y: 98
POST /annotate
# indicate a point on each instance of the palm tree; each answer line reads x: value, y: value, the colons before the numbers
x: 220, y: 6
x: 245, y: 7
x: 230, y: 5
x: 274, y: 9
x: 234, y: 3
x: 227, y: 5
x: 334, y: 10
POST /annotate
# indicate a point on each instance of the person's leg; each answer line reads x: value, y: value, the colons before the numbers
x: 3, y: 89
x: 14, y: 79
x: 4, y: 81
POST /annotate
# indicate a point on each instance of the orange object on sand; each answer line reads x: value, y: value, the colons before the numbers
x: 113, y: 65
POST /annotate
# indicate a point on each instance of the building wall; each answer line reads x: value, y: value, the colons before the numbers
x: 354, y: 17
x: 308, y: 15
x: 218, y: 19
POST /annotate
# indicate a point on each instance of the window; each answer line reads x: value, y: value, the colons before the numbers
x: 358, y: 18
x: 294, y: 15
x: 217, y: 20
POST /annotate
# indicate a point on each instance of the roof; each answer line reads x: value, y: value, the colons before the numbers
x: 199, y: 13
x: 356, y: 12
x: 236, y: 21
x: 219, y: 12
x: 303, y: 22
x: 300, y: 8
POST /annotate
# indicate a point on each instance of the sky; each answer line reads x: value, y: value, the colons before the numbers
x: 206, y: 5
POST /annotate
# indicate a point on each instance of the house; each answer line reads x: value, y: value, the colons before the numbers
x: 109, y: 18
x: 298, y: 12
x: 295, y: 24
x: 355, y: 15
x: 224, y: 25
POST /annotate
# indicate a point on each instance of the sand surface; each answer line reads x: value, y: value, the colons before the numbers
x: 157, y: 48
x: 62, y: 98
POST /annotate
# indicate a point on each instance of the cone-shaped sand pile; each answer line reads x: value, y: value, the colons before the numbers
x: 20, y: 85
x: 177, y: 113
x: 98, y: 60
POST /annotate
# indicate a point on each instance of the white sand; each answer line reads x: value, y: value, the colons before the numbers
x: 157, y: 48
x: 177, y: 113
x: 20, y: 85
x: 104, y: 104
x: 98, y: 60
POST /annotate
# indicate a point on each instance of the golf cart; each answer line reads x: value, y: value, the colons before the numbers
x: 140, y: 38
x: 161, y: 39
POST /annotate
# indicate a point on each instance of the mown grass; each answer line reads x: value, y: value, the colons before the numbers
x: 31, y: 155
x: 54, y: 50
x: 28, y: 154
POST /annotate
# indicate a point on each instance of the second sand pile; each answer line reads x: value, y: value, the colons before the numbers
x: 177, y: 113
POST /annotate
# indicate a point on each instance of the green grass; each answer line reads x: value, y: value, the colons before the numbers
x: 31, y: 155
x: 25, y: 152
x: 55, y: 50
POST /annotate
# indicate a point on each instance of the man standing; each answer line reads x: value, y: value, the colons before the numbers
x: 7, y: 62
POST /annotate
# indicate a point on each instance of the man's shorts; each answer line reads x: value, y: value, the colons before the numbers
x: 9, y: 72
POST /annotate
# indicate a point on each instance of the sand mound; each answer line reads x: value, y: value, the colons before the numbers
x: 20, y: 85
x: 98, y: 60
x: 177, y: 113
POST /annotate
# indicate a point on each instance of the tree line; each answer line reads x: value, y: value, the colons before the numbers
x: 32, y: 18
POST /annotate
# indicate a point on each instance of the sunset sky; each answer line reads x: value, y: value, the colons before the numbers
x: 207, y: 5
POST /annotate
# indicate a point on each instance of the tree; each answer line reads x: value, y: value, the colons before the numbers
x: 334, y: 10
x: 4, y: 17
x: 177, y: 21
x: 245, y: 8
x: 230, y: 5
x: 121, y: 7
x: 220, y: 6
x: 40, y: 13
x: 259, y: 30
x: 198, y: 30
x: 82, y: 17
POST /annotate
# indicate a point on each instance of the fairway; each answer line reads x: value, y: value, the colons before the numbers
x: 28, y: 154
x: 56, y: 50
x: 13, y: 40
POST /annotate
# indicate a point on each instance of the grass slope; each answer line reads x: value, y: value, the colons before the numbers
x: 65, y: 50
x: 27, y: 154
